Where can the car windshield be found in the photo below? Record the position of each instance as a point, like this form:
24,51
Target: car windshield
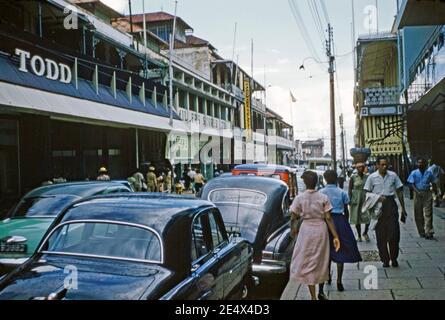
42,206
107,240
238,196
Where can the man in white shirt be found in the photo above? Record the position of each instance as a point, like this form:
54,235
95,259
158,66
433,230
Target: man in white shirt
387,184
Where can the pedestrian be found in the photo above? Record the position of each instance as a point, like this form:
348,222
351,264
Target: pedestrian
160,182
152,183
386,184
348,252
187,179
103,174
421,181
191,173
310,259
199,181
168,181
438,173
357,195
179,187
138,180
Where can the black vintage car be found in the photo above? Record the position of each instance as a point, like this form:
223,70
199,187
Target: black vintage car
136,247
257,209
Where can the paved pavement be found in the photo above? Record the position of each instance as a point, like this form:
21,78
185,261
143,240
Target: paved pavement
419,277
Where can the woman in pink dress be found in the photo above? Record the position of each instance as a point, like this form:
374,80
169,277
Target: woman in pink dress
310,260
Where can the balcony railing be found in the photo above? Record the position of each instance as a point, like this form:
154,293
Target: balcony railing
204,121
281,142
259,105
381,96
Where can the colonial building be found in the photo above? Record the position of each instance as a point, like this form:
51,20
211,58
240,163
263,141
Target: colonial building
312,149
380,122
280,137
421,29
75,97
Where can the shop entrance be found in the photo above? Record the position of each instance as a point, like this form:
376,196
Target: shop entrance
9,169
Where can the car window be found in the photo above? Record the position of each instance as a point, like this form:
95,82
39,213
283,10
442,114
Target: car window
215,229
113,240
200,245
235,196
42,206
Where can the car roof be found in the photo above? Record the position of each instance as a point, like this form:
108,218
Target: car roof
81,188
149,209
265,167
263,184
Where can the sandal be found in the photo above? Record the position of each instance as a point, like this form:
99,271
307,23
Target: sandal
366,238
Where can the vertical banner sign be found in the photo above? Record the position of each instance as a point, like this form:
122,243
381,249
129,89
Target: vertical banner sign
247,106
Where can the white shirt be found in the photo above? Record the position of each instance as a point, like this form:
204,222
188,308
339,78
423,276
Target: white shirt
436,170
191,174
386,186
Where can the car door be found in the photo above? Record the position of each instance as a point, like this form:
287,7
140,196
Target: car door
229,255
205,268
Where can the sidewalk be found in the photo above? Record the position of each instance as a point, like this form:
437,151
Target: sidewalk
419,277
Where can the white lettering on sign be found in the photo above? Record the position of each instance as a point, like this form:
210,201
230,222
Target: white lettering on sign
47,67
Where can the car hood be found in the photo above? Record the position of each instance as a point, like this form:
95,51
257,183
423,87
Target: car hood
83,279
33,229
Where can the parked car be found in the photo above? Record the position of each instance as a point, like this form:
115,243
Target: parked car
27,222
257,209
283,173
136,247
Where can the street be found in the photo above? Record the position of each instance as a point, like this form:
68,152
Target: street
420,275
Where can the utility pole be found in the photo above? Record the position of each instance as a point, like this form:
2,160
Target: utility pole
170,65
343,146
331,57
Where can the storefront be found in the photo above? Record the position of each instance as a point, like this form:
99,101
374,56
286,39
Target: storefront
51,127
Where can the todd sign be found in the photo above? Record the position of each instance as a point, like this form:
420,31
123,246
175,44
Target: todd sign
44,67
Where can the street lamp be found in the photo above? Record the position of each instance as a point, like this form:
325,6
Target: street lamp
302,67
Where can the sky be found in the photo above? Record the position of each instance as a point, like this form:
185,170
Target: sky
280,49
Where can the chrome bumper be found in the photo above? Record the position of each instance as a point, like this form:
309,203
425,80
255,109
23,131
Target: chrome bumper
269,267
8,264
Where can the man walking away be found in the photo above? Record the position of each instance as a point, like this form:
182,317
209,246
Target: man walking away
199,181
387,184
421,181
438,173
152,183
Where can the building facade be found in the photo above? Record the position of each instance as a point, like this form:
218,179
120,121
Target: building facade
421,30
380,117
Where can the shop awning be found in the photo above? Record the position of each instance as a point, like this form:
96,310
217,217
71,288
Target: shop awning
420,13
24,99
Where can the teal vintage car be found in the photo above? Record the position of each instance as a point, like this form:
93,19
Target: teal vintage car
28,221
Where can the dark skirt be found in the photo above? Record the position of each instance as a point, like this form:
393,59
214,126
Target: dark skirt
348,252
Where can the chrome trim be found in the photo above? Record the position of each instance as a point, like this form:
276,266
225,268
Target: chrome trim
13,261
243,189
109,222
269,267
98,256
276,232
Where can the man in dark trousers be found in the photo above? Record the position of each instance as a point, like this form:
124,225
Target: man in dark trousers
387,185
421,181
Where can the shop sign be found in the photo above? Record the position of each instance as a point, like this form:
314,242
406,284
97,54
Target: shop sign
44,67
